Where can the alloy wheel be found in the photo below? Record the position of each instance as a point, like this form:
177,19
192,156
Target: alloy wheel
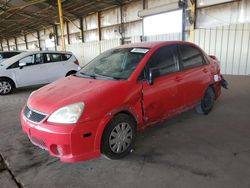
5,87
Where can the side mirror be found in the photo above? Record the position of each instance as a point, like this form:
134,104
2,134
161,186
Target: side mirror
22,64
150,77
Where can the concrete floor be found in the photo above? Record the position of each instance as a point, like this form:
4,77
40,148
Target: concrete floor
190,150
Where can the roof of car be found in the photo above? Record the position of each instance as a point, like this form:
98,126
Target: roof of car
46,51
11,51
151,44
13,59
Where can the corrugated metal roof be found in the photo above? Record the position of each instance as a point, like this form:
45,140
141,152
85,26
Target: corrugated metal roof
18,17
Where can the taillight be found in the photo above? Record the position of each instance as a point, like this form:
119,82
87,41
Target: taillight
76,62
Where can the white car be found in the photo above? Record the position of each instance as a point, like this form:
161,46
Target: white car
35,68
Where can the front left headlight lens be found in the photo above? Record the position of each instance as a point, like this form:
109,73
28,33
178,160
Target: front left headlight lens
67,114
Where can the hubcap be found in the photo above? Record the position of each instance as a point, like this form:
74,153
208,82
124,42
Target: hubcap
120,137
5,87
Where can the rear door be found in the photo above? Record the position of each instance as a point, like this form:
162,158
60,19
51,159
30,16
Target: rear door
55,66
162,99
195,74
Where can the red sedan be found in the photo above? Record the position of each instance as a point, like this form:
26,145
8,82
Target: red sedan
100,108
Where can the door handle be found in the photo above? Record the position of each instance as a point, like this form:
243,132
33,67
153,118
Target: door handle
178,78
205,70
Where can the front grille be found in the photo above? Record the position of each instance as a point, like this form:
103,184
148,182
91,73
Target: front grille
33,116
37,142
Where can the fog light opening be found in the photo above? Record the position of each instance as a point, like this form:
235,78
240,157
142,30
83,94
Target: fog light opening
59,150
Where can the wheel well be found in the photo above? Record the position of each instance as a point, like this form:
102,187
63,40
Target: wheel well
212,86
71,72
127,113
114,115
7,78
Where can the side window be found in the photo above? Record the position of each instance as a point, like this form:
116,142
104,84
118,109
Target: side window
191,57
50,57
39,59
29,60
14,65
164,61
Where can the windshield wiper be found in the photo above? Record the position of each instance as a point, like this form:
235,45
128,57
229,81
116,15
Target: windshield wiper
88,75
108,77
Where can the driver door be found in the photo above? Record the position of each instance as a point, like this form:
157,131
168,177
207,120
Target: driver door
33,73
164,97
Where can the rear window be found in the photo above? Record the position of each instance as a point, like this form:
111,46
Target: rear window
6,55
66,57
191,57
55,57
51,57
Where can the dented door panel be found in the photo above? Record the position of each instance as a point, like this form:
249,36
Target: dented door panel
162,99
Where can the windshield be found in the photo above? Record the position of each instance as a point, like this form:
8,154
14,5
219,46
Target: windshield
114,64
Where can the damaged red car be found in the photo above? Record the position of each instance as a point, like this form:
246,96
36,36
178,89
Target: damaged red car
100,108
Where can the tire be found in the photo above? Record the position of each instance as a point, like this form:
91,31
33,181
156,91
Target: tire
116,143
70,73
6,86
207,103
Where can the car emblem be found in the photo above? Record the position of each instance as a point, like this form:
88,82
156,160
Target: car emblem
29,114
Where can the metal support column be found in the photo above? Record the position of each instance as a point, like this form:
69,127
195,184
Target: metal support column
26,43
16,43
99,31
183,4
81,27
55,35
39,40
192,18
60,12
122,26
1,46
67,27
8,45
145,4
99,26
184,21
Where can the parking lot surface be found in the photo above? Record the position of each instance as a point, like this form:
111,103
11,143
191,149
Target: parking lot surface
190,150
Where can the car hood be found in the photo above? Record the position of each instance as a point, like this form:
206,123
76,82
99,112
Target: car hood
67,91
2,68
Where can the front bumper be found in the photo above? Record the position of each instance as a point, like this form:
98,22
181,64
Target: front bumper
69,143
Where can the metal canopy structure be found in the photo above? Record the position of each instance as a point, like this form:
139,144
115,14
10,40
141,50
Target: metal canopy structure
19,17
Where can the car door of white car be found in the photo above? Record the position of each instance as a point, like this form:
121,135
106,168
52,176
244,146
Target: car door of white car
56,68
33,72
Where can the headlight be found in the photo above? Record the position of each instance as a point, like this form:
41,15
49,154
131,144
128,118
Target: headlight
67,114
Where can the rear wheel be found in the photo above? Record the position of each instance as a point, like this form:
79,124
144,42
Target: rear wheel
207,103
6,86
119,137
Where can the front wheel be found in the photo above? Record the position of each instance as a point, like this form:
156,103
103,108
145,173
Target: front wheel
70,73
207,103
6,86
119,137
